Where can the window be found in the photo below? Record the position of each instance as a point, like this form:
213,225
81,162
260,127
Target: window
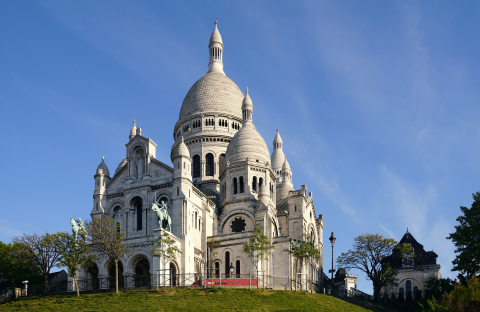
238,225
408,286
221,162
260,182
295,207
234,185
241,184
209,164
217,269
178,191
96,206
137,204
196,166
237,268
415,292
227,264
254,184
196,218
401,293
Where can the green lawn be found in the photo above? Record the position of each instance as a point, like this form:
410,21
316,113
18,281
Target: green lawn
215,299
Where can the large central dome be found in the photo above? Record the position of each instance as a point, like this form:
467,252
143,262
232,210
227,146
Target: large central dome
213,93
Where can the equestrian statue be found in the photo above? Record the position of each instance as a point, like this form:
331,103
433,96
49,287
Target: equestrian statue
78,229
164,220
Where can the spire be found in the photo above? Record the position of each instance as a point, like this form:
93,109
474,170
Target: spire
216,52
133,132
277,141
247,108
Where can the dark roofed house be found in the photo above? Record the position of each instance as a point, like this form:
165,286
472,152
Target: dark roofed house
414,270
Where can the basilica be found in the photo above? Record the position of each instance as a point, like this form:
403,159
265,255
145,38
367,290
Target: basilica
221,182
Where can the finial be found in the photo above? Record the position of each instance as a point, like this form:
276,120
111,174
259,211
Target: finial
182,138
134,122
277,130
247,90
103,158
407,229
215,23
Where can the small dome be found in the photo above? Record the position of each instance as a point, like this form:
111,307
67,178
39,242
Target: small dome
247,143
286,165
133,132
121,164
247,101
216,37
182,150
103,167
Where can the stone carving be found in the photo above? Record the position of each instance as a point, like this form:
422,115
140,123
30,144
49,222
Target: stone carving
164,220
78,228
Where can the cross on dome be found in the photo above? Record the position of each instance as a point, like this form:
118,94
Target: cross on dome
216,22
134,122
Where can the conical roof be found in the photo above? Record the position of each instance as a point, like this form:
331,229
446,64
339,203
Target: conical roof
278,157
104,167
286,165
216,37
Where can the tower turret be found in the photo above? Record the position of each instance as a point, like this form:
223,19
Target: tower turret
286,183
133,131
216,52
102,177
278,157
182,174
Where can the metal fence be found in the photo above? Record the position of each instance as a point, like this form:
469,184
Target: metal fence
167,279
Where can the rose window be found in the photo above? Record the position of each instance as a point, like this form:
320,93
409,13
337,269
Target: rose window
238,225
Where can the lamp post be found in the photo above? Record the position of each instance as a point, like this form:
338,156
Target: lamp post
332,241
231,272
25,294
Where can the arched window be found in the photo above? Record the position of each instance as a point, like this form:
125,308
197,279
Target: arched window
415,292
137,204
260,183
178,191
209,164
227,264
237,268
217,269
401,293
408,286
295,207
221,163
241,184
235,186
196,166
254,184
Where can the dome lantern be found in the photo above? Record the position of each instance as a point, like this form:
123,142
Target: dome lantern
216,52
247,108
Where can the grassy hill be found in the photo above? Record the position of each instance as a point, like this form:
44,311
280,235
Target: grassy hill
211,299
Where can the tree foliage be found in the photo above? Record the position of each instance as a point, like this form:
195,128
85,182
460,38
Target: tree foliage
304,251
367,255
74,253
41,251
258,247
467,239
167,249
437,287
13,266
103,237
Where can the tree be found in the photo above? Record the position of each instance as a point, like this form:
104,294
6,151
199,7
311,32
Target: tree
74,253
258,247
14,266
167,249
212,246
466,239
303,251
41,252
437,287
104,238
368,254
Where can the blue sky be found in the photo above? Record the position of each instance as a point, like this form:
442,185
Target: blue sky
377,103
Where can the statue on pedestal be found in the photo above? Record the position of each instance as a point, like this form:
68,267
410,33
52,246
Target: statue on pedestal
164,220
78,228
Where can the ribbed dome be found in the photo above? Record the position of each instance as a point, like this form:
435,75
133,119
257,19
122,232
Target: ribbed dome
121,164
182,150
104,167
247,143
214,93
133,131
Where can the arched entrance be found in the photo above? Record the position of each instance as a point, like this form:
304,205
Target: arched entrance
142,273
92,278
173,272
120,275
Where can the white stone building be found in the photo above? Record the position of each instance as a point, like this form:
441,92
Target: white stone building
222,182
414,270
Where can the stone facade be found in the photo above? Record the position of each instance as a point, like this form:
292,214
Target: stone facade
414,270
221,183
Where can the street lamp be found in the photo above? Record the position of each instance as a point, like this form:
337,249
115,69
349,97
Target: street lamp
25,282
332,241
